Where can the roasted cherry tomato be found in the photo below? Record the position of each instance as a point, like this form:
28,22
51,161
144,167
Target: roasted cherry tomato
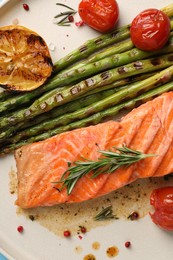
150,30
101,15
162,200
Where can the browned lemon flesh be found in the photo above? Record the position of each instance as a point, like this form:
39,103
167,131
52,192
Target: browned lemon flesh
25,61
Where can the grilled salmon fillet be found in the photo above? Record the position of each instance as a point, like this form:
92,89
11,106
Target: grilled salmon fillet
148,128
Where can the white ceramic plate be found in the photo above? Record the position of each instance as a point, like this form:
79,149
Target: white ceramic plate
148,241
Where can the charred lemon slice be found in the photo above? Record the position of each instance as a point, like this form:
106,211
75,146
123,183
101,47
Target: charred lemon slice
25,61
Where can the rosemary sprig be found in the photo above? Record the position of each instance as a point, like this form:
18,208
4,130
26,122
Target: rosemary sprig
65,21
105,214
111,161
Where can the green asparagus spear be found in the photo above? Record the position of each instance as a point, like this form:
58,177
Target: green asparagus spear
109,51
61,112
55,99
118,83
111,98
71,76
93,119
168,10
71,106
84,101
91,46
4,95
109,62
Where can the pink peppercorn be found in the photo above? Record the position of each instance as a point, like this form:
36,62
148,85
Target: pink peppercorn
127,244
71,18
26,7
83,229
67,233
134,216
20,229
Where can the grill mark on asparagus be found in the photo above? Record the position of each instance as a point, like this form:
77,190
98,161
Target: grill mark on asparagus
133,53
122,70
27,112
75,90
105,75
59,97
117,33
89,82
98,41
43,105
138,65
68,57
156,61
83,48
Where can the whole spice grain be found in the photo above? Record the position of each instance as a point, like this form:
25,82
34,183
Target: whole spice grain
127,244
26,7
20,229
67,233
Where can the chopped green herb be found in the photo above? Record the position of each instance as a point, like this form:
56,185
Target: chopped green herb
105,214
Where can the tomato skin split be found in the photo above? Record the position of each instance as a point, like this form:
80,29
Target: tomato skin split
150,30
162,201
101,15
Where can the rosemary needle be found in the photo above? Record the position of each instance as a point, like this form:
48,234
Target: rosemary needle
64,13
65,6
105,214
65,20
111,161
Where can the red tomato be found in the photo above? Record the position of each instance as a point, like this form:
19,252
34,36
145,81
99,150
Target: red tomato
162,200
150,30
101,15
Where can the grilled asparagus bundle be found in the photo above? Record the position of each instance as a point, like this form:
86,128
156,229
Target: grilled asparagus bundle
95,88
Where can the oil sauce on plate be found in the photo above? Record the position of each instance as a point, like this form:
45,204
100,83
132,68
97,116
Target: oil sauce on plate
131,198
